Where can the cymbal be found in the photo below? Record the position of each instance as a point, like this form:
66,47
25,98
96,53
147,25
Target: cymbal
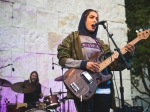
60,78
5,83
24,87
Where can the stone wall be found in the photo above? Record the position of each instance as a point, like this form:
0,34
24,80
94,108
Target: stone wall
30,31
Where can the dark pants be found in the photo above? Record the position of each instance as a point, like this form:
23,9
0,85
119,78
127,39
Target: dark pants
99,103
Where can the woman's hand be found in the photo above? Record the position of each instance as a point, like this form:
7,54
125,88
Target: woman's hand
130,48
92,66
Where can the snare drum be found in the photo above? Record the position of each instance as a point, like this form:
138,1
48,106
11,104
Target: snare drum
12,107
51,101
35,110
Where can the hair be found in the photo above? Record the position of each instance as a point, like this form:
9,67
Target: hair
37,80
86,13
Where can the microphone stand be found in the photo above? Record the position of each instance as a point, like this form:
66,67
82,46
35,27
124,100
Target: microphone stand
63,107
121,59
5,66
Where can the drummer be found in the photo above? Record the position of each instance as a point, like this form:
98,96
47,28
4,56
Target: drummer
33,97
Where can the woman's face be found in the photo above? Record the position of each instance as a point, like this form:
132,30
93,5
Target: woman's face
90,20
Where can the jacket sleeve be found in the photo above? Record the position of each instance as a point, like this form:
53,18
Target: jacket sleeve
64,50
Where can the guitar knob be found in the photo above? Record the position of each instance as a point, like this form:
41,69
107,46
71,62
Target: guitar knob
140,29
86,95
90,91
137,31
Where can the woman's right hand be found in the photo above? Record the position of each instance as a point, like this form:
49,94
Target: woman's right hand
92,66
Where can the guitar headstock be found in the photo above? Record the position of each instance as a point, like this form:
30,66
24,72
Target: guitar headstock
143,34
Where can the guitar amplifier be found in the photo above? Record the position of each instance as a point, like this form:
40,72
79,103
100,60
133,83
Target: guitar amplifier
130,109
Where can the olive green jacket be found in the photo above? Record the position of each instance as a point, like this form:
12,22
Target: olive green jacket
71,48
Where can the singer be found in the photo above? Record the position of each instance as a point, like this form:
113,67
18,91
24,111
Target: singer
75,51
33,97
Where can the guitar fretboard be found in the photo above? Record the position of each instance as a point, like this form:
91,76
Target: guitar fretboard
109,60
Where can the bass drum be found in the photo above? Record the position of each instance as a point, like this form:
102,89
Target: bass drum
36,110
11,107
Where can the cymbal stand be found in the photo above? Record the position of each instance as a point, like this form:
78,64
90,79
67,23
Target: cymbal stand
17,100
68,106
63,106
0,98
62,84
17,96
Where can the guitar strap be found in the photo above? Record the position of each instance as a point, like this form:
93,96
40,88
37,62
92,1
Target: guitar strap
99,45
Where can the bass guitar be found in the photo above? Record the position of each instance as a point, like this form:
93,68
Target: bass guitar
83,84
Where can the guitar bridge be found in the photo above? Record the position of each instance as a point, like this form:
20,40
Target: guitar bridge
87,77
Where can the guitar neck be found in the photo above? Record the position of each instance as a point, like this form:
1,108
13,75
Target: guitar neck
115,55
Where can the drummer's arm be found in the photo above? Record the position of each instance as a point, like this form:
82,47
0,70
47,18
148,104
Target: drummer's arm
41,94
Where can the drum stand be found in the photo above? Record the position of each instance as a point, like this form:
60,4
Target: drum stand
52,110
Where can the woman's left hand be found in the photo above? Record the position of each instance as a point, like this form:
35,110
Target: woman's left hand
130,48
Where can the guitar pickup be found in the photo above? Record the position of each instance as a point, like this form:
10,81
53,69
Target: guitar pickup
74,87
87,77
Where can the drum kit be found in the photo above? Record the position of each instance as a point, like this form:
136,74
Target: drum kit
49,104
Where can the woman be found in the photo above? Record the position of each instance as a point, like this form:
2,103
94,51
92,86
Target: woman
75,51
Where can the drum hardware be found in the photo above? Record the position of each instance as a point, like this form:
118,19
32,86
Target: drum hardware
63,100
36,110
51,101
40,105
7,101
3,83
59,78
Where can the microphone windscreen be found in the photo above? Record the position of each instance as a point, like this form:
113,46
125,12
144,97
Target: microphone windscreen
13,69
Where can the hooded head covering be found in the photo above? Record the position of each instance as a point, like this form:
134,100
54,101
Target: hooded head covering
82,28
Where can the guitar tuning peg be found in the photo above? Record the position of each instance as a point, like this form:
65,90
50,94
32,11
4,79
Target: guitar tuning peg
140,29
137,31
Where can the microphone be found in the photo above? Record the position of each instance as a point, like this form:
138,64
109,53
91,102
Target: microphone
52,64
13,69
98,23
